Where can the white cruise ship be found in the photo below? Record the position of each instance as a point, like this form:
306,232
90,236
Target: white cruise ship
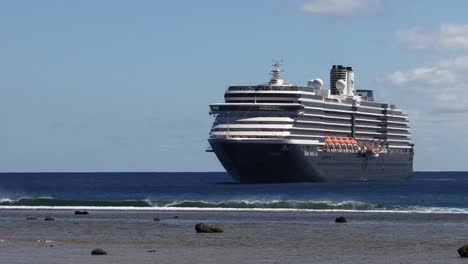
280,132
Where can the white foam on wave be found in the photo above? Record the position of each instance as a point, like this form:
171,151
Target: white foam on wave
441,210
10,200
418,210
44,241
268,202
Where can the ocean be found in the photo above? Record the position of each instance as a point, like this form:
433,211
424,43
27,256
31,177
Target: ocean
428,192
146,218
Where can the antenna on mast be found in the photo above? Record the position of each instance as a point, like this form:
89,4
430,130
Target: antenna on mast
276,74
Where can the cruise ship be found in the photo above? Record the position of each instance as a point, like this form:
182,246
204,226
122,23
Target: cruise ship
279,132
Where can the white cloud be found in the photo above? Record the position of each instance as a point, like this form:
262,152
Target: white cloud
457,64
340,7
446,37
438,88
423,75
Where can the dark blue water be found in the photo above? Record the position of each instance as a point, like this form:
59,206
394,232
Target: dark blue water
425,191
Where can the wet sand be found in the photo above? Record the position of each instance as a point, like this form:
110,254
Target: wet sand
249,237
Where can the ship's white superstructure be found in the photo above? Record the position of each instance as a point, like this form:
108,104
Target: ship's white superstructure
281,112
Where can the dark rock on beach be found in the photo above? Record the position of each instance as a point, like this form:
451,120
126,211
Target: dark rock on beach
98,251
31,218
207,228
156,219
49,219
81,213
175,216
151,251
463,251
340,219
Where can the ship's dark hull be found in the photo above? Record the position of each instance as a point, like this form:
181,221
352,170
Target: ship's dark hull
280,162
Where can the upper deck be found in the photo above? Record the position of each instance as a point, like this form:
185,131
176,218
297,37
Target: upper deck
312,113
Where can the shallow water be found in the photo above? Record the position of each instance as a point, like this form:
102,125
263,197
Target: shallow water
249,237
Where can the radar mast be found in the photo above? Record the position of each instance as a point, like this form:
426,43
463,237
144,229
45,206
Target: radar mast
276,74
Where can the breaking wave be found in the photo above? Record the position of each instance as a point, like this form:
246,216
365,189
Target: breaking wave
254,205
46,201
230,204
279,204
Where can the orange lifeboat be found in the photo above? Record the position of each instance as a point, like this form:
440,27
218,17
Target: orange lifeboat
341,141
328,140
335,140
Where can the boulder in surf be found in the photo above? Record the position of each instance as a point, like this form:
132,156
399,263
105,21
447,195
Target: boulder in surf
207,228
81,213
98,251
463,251
340,219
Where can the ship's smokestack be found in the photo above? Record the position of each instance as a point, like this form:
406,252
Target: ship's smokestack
339,72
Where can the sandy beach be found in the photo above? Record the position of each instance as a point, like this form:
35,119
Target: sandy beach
249,237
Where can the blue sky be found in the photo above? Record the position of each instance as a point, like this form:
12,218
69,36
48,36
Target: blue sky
125,85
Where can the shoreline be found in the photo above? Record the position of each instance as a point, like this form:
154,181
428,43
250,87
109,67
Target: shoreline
255,236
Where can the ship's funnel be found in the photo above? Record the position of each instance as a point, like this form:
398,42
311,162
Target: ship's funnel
339,72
